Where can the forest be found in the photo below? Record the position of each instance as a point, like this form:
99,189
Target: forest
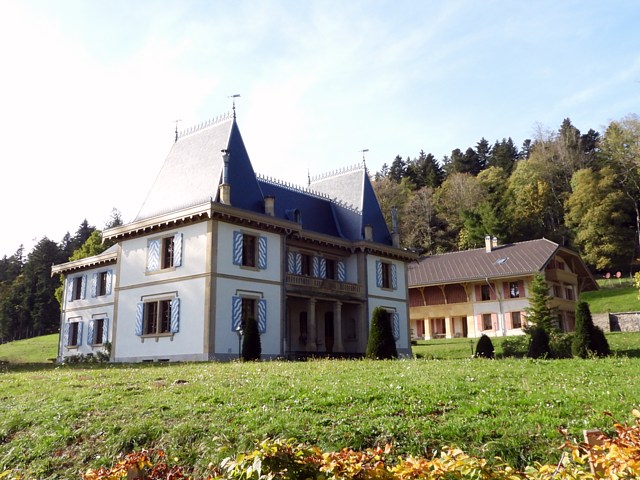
581,190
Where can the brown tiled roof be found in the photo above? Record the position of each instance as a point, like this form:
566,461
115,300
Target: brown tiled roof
503,261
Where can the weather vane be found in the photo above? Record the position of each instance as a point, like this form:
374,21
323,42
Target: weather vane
234,103
363,152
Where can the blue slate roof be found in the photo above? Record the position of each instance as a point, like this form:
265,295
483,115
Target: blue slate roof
339,204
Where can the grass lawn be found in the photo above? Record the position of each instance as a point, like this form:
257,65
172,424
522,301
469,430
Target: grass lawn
42,349
609,299
55,422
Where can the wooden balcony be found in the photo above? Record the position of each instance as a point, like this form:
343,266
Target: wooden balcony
322,285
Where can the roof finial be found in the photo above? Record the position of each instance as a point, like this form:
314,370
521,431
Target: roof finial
308,178
364,162
234,103
178,120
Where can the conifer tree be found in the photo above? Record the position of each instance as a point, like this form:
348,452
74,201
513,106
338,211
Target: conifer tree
581,345
539,313
381,344
484,348
539,344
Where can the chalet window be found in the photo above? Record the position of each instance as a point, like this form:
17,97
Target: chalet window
158,317
485,292
568,293
98,333
164,252
557,291
516,320
73,334
249,250
487,323
514,290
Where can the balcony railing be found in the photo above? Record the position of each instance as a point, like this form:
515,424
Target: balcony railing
323,284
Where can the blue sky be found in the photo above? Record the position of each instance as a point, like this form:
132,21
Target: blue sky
90,90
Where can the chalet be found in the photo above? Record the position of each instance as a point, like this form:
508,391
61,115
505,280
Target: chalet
214,244
487,290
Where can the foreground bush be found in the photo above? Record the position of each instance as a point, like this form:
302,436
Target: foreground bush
617,457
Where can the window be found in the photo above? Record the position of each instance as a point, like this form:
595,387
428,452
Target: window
158,317
97,334
568,293
331,268
386,276
487,324
249,250
77,288
73,334
516,320
243,308
307,264
514,290
164,252
102,283
557,291
485,292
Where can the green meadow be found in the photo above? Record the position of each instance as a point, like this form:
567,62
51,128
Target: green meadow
57,421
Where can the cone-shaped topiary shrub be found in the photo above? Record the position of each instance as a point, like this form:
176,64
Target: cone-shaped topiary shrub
599,344
581,345
251,347
539,345
484,348
381,344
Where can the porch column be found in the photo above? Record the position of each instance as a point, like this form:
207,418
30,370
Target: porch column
337,324
427,329
448,322
311,333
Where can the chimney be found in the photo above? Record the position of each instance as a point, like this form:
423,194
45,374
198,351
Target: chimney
270,205
488,246
494,242
225,188
368,233
395,236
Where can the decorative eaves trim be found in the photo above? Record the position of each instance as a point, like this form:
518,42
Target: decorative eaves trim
85,263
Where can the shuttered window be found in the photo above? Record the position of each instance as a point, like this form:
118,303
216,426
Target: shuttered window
164,252
244,308
160,317
73,334
249,250
386,275
98,332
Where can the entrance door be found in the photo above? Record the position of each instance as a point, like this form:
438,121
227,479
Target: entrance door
328,331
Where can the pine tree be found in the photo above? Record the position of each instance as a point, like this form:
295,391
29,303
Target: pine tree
381,344
251,346
599,343
539,313
484,348
581,344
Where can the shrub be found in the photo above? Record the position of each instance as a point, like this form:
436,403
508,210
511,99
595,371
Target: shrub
484,348
581,344
599,344
539,344
560,344
251,347
515,346
381,344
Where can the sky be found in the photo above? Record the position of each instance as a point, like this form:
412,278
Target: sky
90,90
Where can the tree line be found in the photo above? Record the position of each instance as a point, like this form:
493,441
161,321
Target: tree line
579,190
29,295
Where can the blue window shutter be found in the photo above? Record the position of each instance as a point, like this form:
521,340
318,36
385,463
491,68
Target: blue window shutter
109,280
175,315
105,330
379,273
79,333
323,267
394,276
66,334
342,271
83,288
291,262
90,332
139,318
153,255
70,282
236,313
395,325
237,248
262,252
298,263
177,250
94,285
262,315
316,266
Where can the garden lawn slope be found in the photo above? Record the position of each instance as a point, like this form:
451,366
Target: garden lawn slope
56,423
